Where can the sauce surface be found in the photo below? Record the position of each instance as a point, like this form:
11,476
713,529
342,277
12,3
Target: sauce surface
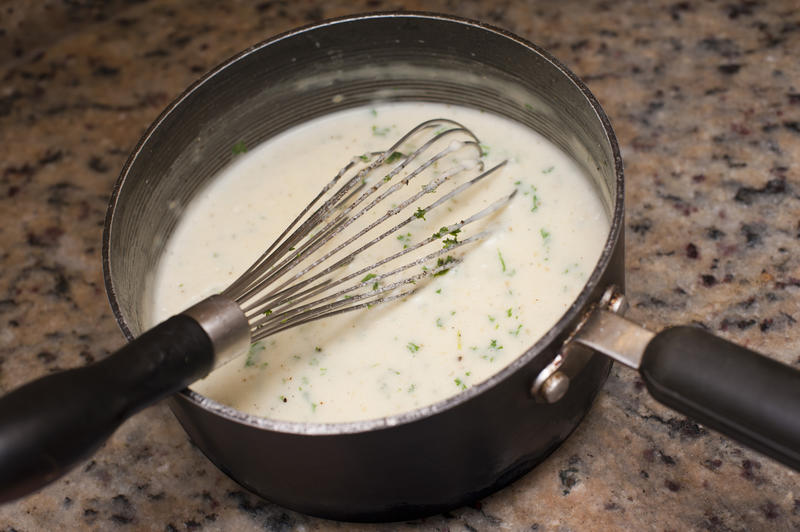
457,330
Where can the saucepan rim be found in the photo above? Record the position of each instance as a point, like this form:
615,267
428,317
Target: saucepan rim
580,303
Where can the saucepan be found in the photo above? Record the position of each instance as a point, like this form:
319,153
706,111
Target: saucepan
462,448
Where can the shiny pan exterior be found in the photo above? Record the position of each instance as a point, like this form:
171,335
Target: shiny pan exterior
437,457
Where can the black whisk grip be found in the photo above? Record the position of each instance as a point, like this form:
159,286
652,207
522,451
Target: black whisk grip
51,424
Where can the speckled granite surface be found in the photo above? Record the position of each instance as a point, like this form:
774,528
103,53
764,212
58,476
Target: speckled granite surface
705,99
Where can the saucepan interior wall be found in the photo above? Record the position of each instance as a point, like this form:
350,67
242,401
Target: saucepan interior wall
283,83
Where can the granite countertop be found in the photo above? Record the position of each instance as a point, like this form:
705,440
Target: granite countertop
705,99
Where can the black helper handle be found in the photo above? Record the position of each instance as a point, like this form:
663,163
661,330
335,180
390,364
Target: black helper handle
751,398
51,424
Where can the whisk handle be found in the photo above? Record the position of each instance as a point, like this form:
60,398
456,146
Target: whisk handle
51,424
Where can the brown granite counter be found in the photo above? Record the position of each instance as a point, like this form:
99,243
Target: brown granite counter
705,99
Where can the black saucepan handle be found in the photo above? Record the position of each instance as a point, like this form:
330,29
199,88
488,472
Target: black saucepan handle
51,424
751,398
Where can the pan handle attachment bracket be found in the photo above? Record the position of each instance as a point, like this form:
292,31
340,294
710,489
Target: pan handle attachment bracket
552,382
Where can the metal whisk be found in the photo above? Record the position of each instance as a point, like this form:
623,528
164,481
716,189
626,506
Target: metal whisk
298,278
315,269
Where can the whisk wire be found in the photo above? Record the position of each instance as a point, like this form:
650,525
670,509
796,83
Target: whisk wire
272,296
287,240
328,236
342,220
280,291
346,296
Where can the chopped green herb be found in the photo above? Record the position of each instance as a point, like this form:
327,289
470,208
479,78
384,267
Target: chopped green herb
380,131
239,147
491,318
545,233
405,239
373,112
318,349
528,107
252,354
438,290
282,398
412,388
534,199
548,170
420,213
444,231
394,157
448,242
412,347
508,312
460,384
364,157
439,322
502,262
484,150
267,312
493,345
368,277
375,285
515,332
441,262
387,178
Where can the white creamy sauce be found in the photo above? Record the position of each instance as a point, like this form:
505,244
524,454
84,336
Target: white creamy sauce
457,330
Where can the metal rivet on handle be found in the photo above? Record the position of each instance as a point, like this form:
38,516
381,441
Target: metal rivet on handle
552,382
554,388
